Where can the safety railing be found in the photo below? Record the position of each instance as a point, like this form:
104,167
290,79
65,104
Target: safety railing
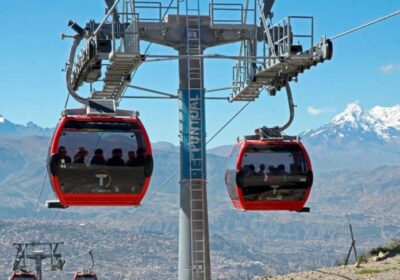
232,13
292,35
239,77
155,11
129,38
123,29
244,71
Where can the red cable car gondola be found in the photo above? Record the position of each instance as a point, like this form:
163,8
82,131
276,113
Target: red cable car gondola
22,275
85,276
100,161
269,175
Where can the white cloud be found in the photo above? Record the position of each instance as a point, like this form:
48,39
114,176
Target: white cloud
318,111
386,69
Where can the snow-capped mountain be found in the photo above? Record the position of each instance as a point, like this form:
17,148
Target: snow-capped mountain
8,128
380,124
356,139
388,120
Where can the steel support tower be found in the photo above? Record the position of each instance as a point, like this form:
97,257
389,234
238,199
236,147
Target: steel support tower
190,33
38,252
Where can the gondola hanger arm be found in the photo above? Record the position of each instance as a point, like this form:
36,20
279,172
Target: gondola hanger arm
275,132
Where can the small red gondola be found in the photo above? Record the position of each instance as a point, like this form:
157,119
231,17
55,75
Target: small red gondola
85,276
100,161
20,275
269,175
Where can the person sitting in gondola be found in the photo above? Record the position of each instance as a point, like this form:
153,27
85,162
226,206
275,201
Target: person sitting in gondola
132,160
80,155
261,173
252,170
261,170
272,174
241,174
59,160
98,158
281,170
116,159
141,157
61,157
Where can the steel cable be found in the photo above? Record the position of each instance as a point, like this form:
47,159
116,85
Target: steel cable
364,25
37,202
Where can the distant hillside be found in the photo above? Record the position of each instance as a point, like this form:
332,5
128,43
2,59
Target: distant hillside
222,151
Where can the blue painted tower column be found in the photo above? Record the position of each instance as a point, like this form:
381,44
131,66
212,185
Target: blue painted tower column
194,254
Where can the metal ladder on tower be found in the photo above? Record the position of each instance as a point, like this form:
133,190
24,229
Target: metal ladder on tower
198,214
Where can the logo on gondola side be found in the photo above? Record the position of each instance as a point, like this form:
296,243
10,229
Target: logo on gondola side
104,178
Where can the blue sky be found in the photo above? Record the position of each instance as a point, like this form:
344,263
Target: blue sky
365,67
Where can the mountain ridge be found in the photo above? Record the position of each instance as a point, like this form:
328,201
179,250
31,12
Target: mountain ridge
8,128
381,124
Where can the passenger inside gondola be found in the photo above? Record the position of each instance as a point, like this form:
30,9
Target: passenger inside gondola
261,170
251,170
282,170
59,160
116,159
61,156
98,158
141,156
132,161
80,155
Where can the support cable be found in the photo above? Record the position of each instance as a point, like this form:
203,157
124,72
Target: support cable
66,101
40,195
37,202
219,89
228,122
252,59
153,91
170,98
147,97
110,11
364,25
